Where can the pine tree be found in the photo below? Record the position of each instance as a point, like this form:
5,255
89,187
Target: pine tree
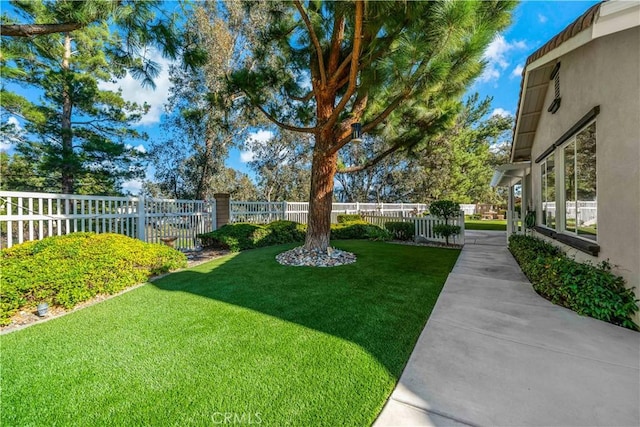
387,65
78,131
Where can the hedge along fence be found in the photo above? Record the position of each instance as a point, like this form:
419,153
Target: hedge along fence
589,290
66,270
240,236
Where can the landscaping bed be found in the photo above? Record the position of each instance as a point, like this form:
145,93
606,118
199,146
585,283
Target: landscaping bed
589,290
63,271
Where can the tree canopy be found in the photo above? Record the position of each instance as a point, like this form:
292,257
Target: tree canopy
399,69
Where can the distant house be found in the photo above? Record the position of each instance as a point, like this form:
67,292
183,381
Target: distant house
575,156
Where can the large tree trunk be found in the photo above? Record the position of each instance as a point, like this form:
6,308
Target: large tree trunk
323,169
67,109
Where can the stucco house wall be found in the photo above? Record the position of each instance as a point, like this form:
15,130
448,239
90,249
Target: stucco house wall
604,72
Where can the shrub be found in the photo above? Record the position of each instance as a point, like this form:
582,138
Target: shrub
241,236
342,218
235,237
444,209
285,232
446,231
66,270
356,230
582,287
401,230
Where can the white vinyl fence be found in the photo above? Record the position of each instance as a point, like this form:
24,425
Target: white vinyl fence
34,216
264,212
424,226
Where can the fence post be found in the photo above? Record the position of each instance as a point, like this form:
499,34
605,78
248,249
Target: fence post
142,230
461,220
284,210
223,211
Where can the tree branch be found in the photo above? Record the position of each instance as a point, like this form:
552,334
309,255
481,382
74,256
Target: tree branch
346,135
353,72
305,98
341,69
372,162
314,39
31,30
383,115
284,125
336,40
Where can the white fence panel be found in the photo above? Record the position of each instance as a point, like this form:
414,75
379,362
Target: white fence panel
257,212
298,211
423,226
468,209
182,219
34,216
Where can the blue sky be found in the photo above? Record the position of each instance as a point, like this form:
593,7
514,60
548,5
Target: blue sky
533,24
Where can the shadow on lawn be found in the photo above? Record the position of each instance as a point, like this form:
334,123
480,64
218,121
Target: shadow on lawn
380,303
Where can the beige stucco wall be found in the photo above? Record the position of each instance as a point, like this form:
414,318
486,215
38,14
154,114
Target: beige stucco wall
604,72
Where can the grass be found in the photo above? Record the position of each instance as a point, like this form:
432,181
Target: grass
486,224
240,337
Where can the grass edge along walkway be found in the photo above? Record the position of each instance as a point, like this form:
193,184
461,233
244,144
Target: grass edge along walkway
239,335
485,224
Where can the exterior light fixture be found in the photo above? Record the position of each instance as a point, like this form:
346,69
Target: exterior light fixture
356,132
43,308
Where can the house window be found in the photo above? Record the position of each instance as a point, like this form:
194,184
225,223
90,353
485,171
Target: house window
580,216
548,187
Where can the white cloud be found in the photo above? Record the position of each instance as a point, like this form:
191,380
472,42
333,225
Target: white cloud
501,112
12,137
496,56
497,147
542,19
517,72
259,137
133,186
247,156
14,121
139,148
133,91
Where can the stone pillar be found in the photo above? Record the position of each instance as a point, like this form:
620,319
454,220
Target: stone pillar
223,209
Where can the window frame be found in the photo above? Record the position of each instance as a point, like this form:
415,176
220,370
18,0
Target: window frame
561,226
560,232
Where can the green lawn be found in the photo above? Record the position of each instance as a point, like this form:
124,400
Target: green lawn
240,337
487,224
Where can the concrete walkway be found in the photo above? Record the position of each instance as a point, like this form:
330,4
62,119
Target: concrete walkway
494,353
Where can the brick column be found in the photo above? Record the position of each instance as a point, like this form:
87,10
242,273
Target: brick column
223,209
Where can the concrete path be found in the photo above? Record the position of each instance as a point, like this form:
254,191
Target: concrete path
494,353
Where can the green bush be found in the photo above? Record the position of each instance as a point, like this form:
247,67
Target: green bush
446,231
401,230
444,209
589,290
357,230
285,232
235,237
342,218
241,236
66,270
